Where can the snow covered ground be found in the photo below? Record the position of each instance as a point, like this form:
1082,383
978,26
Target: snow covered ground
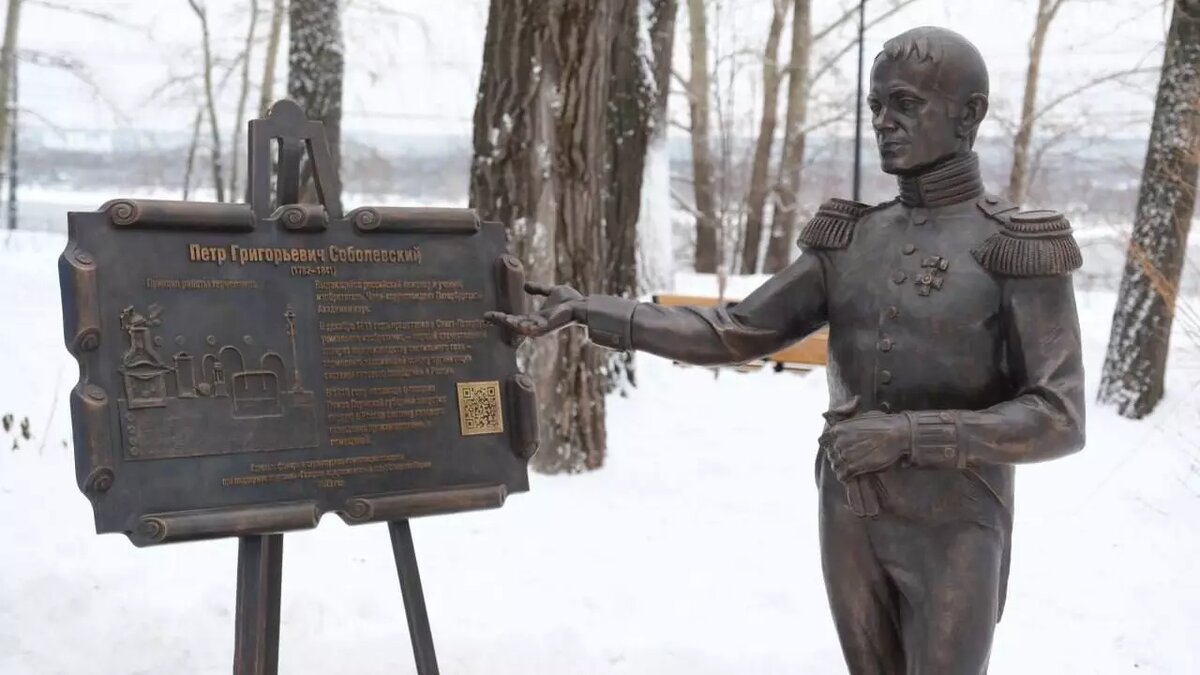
694,551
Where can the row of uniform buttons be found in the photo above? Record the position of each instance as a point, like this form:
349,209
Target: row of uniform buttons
885,345
919,217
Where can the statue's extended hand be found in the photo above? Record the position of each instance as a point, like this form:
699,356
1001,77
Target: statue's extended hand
563,307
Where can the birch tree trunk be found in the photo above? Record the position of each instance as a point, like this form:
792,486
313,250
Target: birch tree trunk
791,164
704,188
315,71
760,167
1135,365
1037,42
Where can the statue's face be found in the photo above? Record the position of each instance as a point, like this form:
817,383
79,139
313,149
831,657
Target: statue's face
916,122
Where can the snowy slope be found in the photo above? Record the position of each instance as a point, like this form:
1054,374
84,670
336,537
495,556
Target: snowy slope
694,551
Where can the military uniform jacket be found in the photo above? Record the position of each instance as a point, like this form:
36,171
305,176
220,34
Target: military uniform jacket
947,304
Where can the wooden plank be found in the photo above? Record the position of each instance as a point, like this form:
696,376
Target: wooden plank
811,351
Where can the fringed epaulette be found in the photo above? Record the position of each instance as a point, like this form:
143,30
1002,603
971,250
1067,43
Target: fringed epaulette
1030,244
833,225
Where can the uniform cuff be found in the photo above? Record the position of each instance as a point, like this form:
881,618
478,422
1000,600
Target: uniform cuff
935,440
610,321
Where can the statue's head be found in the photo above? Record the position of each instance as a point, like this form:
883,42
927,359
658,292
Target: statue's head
929,93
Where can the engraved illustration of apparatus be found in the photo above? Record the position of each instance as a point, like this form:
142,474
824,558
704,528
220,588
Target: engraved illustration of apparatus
215,405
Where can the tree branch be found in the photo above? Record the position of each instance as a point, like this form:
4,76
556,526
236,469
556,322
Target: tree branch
218,180
683,204
1140,70
831,61
76,69
91,14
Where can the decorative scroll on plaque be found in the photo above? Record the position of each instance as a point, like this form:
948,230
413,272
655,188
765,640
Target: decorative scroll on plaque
246,368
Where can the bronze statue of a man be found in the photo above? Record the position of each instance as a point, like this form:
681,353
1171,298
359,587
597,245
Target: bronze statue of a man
954,354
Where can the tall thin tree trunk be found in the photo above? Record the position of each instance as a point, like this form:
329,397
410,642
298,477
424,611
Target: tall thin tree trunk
630,105
760,167
316,67
8,65
655,251
634,96
243,95
267,92
704,188
1037,42
791,164
13,154
190,165
1135,366
210,100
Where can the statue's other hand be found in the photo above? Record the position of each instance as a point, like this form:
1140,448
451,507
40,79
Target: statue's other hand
563,306
866,444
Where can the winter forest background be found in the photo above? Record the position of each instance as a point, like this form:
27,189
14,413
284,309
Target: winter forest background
714,128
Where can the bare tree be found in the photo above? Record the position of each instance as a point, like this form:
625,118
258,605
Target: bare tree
558,106
795,136
703,171
243,95
760,187
639,81
511,175
190,163
640,72
655,252
783,190
1046,11
579,39
210,99
13,157
1135,366
8,66
510,172
267,92
316,68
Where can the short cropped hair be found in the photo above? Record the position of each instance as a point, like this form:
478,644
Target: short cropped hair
940,46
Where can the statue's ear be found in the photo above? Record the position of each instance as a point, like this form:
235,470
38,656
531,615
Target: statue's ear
973,112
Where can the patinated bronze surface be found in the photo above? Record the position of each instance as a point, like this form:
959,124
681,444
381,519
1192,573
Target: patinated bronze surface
248,367
954,354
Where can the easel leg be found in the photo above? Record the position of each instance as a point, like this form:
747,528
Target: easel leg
414,598
259,577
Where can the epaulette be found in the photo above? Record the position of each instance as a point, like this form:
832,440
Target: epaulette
1029,243
832,226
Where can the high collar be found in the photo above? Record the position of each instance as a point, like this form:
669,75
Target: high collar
953,181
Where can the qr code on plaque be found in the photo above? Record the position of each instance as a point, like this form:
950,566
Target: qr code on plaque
479,408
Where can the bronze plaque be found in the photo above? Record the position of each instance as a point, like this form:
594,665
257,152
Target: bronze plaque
246,368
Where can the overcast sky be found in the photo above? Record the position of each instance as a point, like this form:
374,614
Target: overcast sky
418,73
